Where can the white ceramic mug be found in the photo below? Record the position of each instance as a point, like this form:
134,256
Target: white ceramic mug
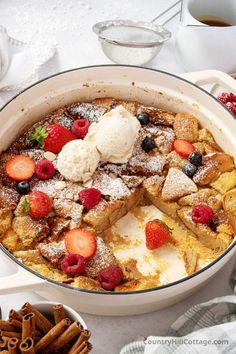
201,47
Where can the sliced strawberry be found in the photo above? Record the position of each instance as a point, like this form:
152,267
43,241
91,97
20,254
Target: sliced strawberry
183,147
82,242
20,168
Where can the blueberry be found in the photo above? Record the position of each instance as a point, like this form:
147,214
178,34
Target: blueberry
213,225
189,169
148,144
195,158
23,187
143,118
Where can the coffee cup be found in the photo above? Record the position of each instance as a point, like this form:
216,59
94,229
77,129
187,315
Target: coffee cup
207,35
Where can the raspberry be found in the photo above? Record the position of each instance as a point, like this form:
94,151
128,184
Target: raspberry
44,169
231,107
90,197
202,214
226,97
73,265
223,97
229,100
80,128
110,277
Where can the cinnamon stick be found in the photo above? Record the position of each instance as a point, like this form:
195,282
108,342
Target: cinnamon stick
5,352
85,347
58,312
84,336
18,325
15,323
15,315
53,334
66,337
6,326
88,348
3,342
28,326
10,334
27,346
13,346
42,323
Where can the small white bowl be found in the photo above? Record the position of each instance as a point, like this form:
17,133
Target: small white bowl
45,307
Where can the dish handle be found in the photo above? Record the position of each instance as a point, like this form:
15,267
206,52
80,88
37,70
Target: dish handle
14,278
216,77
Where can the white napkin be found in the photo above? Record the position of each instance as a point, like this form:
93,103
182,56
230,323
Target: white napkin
20,62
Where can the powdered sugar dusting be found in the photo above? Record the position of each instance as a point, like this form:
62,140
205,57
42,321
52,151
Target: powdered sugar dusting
8,198
103,258
47,187
147,165
66,121
87,110
35,154
53,251
177,184
164,139
113,187
68,209
132,181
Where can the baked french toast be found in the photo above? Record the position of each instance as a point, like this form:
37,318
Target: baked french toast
96,190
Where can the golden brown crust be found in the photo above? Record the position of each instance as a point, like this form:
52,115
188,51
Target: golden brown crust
186,127
229,202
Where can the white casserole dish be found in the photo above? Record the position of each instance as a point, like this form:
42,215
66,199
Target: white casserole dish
151,87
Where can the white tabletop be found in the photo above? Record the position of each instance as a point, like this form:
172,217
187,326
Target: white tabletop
68,22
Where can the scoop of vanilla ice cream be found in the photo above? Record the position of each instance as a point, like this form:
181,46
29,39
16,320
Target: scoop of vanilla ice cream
78,160
114,135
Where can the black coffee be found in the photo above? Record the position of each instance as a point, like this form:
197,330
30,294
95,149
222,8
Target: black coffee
213,21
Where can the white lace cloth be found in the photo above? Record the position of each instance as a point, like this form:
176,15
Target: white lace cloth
20,62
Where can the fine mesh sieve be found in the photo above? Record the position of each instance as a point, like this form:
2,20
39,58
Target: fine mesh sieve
133,42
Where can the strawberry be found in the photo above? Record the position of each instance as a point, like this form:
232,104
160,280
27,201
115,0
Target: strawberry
183,147
157,234
38,204
90,197
20,168
82,242
53,137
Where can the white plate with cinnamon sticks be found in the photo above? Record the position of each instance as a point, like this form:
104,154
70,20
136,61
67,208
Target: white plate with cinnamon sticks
44,327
